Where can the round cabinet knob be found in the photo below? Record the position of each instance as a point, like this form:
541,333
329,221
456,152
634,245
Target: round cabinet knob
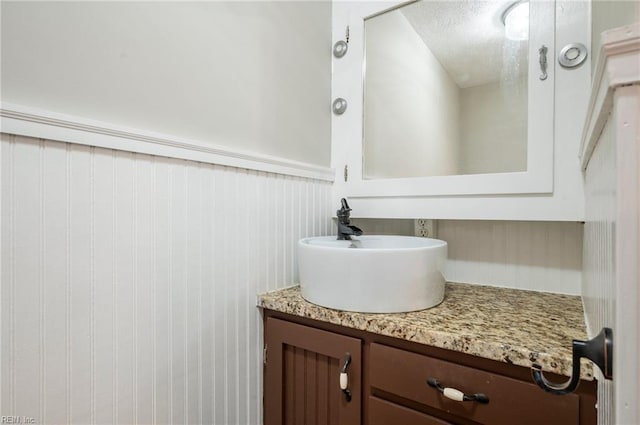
340,49
572,55
339,106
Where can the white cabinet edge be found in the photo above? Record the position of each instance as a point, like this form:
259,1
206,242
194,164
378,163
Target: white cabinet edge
618,65
32,122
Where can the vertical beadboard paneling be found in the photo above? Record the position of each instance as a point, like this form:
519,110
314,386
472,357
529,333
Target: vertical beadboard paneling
25,362
104,274
129,282
220,283
124,314
598,290
178,275
162,248
55,278
541,256
144,294
79,307
206,318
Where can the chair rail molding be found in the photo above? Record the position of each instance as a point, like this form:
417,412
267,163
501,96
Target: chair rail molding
32,122
617,66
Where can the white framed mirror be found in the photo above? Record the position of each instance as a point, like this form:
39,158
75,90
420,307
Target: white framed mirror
442,98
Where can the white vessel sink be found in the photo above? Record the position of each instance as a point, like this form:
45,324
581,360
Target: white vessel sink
372,274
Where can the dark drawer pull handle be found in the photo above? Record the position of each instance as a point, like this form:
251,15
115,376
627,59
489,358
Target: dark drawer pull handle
344,378
457,395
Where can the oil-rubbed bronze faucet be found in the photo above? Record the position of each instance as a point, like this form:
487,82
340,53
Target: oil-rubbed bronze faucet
345,229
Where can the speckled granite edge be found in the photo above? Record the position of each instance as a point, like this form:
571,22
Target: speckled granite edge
508,325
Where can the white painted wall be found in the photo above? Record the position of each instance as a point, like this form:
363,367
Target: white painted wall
249,75
410,100
493,128
129,282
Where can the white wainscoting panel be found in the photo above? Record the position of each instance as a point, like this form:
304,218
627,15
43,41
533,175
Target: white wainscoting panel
540,256
129,282
599,273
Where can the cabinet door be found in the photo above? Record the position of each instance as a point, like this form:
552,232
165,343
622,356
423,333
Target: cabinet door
438,165
302,376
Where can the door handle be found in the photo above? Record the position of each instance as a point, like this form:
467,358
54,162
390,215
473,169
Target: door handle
542,51
344,378
457,395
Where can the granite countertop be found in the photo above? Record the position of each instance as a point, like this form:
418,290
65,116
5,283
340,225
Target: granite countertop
508,325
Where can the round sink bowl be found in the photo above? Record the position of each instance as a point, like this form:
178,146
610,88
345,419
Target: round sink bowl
372,274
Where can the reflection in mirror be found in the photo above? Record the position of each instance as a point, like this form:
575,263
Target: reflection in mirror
445,91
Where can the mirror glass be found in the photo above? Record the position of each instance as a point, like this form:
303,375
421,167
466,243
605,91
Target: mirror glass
445,89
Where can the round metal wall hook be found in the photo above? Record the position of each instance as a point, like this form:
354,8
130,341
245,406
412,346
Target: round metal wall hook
572,55
339,106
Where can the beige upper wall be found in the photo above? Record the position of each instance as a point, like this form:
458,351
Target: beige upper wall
607,14
249,75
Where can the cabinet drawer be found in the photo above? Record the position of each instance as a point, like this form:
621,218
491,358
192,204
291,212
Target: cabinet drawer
382,412
511,401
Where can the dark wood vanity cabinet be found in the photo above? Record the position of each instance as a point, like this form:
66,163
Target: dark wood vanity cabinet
387,378
302,376
510,401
